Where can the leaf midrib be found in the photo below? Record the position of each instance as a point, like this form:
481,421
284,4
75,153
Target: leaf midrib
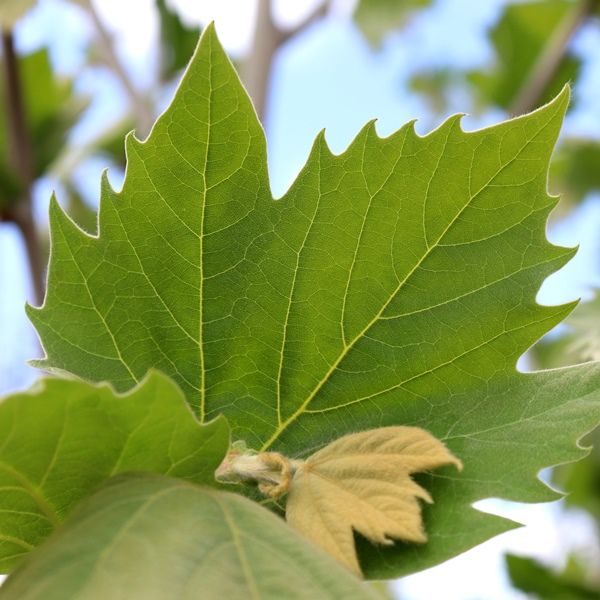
202,391
236,537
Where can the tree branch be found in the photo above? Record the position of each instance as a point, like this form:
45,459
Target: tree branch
550,59
21,213
142,109
268,38
318,13
17,128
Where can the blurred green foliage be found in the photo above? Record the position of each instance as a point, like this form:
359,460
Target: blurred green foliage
575,170
51,109
541,582
378,17
519,39
178,41
582,480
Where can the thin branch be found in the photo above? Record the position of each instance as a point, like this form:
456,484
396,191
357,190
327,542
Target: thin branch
268,38
257,67
17,128
21,213
318,13
550,59
25,222
141,107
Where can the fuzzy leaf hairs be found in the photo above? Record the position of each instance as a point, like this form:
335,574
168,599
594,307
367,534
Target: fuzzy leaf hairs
360,482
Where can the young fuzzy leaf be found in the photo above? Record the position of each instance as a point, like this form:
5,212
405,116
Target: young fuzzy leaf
393,284
61,439
362,482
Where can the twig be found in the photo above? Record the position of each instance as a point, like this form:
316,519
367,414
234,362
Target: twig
550,59
268,38
319,12
141,107
22,217
21,213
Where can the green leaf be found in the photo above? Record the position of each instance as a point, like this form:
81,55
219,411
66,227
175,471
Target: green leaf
393,284
575,170
534,578
520,38
178,41
435,86
581,480
505,433
578,342
158,539
378,17
61,439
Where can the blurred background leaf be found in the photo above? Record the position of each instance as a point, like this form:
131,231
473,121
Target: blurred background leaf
539,581
376,18
524,33
178,41
582,481
51,107
575,171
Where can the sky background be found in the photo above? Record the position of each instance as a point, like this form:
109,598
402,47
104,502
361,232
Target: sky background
326,77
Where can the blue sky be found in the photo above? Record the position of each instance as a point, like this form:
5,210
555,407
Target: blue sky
328,77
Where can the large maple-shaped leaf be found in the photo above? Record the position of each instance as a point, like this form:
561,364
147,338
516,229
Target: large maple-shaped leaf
61,439
392,284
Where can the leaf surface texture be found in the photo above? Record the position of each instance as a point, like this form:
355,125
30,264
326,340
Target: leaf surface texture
362,483
158,538
60,440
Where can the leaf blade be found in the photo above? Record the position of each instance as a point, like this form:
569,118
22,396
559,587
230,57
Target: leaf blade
63,438
502,456
159,538
361,482
394,283
394,314
143,284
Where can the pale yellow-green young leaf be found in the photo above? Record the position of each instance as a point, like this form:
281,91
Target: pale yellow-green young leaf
362,482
